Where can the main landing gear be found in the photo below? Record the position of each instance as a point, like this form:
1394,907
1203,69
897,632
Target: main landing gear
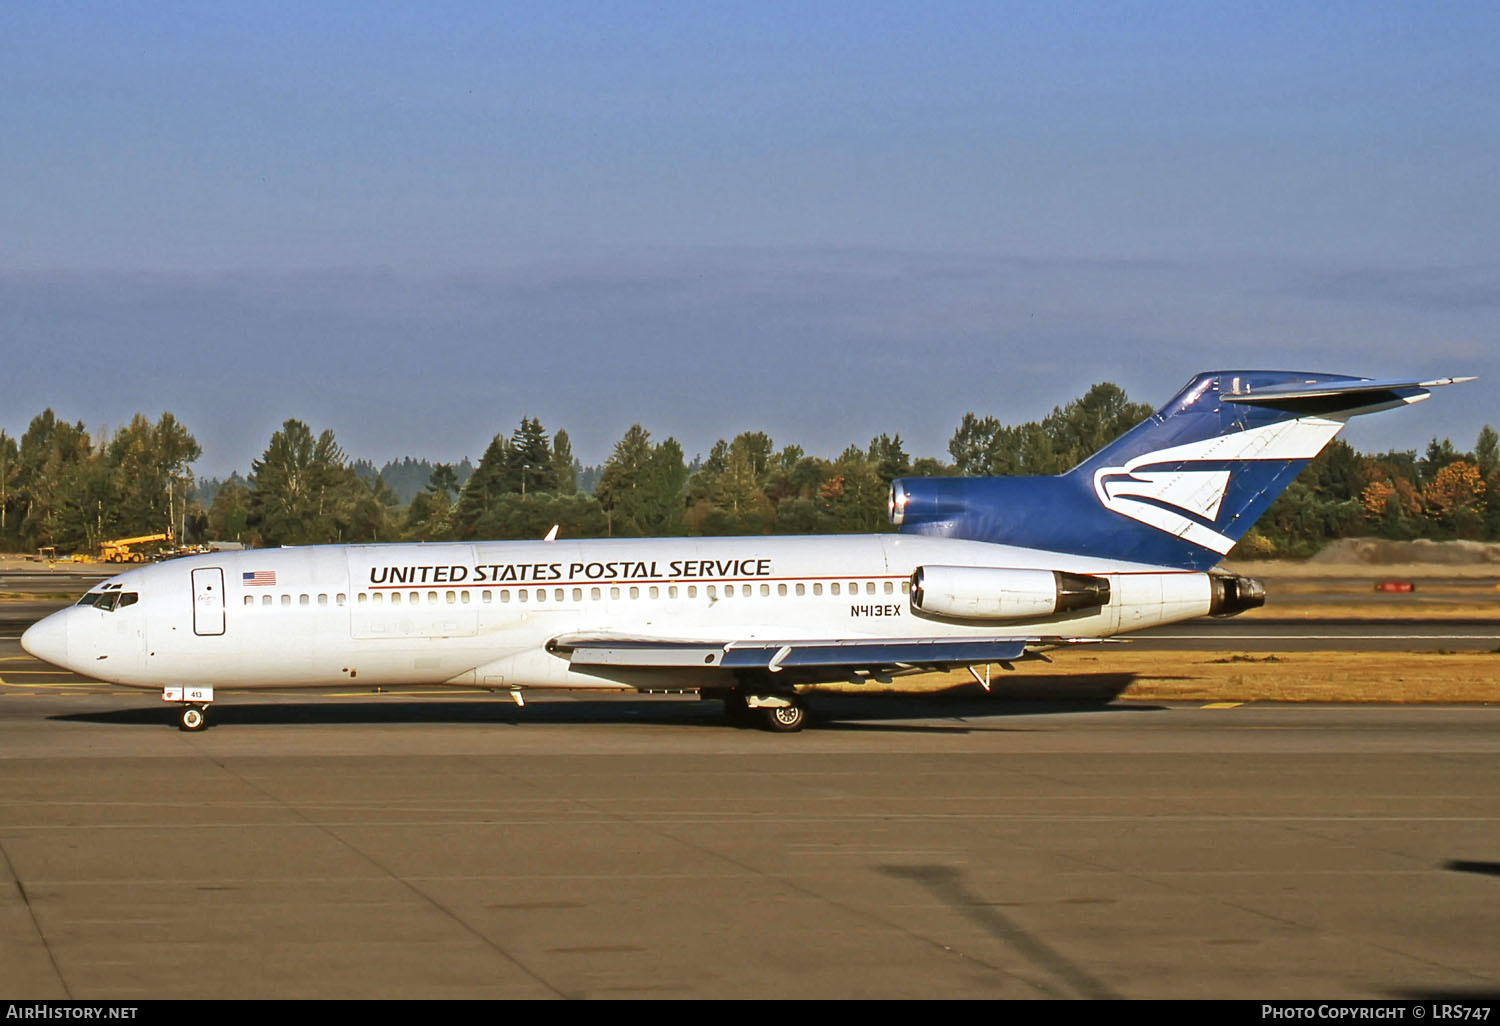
781,712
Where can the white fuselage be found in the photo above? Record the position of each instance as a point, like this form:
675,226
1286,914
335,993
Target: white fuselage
483,614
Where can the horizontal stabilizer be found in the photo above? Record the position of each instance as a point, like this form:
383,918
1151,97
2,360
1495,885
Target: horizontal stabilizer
1336,396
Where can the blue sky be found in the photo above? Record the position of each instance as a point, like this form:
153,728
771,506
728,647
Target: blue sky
416,223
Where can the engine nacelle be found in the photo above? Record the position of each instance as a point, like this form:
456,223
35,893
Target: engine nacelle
1000,593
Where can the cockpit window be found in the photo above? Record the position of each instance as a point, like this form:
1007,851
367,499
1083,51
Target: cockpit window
109,601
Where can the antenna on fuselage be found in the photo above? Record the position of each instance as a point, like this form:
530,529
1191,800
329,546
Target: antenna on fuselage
552,534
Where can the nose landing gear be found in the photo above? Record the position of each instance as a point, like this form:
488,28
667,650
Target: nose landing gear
194,702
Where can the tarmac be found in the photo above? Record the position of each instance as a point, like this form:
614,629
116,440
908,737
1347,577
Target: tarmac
636,847
949,846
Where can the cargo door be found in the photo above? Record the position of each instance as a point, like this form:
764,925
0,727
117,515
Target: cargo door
208,601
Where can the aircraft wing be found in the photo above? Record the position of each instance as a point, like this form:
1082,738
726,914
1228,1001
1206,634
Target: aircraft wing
760,654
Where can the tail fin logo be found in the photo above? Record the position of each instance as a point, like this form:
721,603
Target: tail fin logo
1186,502
1197,492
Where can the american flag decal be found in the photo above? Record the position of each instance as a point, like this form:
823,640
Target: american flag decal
260,578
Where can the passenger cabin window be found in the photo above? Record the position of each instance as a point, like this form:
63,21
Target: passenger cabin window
833,589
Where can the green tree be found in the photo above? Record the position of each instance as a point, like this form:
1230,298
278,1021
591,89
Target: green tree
575,516
531,468
229,514
641,486
564,465
889,458
10,468
483,489
149,474
302,490
52,477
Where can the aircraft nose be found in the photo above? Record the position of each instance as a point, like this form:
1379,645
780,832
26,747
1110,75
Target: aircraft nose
47,639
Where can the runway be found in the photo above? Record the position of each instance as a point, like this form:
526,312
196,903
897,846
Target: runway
480,851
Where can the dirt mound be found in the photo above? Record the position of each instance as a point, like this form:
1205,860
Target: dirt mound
1382,552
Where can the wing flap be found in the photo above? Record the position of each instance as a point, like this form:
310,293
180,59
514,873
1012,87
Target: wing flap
795,654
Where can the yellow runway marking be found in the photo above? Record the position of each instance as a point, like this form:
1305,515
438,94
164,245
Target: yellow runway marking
1222,705
44,684
377,694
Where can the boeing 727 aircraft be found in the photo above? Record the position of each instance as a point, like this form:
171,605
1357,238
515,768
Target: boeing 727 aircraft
980,571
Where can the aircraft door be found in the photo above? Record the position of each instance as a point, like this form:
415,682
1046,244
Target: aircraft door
208,601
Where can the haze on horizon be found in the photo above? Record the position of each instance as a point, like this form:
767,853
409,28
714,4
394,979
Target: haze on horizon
416,224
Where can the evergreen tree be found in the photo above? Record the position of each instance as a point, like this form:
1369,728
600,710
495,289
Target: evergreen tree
484,487
564,466
531,468
302,491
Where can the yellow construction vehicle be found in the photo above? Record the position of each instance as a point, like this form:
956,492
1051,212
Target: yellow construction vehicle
121,549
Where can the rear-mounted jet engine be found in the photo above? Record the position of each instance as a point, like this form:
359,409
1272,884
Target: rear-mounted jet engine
994,594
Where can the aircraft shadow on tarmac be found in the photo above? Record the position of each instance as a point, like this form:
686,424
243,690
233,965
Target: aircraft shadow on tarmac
826,711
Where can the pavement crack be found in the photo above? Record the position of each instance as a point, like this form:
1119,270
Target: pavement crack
35,923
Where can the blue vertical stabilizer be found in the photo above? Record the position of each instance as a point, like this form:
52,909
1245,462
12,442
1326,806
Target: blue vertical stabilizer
1179,488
